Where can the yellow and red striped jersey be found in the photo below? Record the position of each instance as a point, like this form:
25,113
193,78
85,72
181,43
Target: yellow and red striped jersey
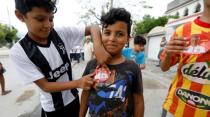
189,92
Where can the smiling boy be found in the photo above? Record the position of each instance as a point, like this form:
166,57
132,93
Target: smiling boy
121,95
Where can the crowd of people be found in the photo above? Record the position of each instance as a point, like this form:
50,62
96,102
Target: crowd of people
112,81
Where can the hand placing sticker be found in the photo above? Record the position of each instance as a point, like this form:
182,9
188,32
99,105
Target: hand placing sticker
102,73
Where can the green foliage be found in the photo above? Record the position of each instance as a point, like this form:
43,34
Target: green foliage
7,34
11,35
2,32
149,23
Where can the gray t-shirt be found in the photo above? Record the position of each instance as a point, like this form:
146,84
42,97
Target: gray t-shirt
115,97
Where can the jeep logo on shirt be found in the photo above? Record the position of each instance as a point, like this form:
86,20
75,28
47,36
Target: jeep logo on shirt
58,72
194,99
197,72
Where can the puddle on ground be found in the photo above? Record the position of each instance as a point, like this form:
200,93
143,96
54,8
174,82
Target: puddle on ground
152,84
25,96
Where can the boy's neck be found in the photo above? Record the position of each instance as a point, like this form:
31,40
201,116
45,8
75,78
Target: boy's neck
116,59
205,17
38,40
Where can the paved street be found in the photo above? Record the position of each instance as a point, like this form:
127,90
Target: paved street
24,100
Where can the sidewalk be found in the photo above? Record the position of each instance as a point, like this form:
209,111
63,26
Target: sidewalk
4,51
22,99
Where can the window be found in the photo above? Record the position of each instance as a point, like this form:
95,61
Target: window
177,14
186,12
197,8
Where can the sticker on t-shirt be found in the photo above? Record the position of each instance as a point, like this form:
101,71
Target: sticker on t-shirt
198,43
102,74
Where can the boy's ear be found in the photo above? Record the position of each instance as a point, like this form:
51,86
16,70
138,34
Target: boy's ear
19,15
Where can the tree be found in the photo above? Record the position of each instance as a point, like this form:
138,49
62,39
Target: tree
148,23
93,10
11,35
7,34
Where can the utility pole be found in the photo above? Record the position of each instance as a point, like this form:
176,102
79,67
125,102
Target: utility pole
111,4
8,15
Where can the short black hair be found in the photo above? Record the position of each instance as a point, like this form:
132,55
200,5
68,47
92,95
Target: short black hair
140,40
114,15
25,6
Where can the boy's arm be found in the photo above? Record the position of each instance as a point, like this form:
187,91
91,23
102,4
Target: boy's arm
84,101
137,92
141,61
85,83
101,54
165,66
138,105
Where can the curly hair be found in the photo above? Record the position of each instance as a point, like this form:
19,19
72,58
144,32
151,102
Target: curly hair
114,15
25,6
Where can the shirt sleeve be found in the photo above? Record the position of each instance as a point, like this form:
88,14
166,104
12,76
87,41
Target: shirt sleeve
137,84
125,53
25,70
90,67
72,36
140,58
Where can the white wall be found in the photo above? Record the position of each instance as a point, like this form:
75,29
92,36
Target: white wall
154,47
191,7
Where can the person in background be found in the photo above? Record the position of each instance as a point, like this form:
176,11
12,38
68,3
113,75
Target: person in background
2,81
88,49
162,46
77,50
137,53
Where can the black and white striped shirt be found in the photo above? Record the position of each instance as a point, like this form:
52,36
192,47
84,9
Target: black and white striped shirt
28,69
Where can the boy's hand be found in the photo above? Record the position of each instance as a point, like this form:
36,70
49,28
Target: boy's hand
176,45
101,54
86,82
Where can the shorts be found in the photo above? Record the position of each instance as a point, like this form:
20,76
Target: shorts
71,110
2,71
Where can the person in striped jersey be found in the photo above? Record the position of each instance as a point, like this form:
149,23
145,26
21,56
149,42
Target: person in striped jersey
189,94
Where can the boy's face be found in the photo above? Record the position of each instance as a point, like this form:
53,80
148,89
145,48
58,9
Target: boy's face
138,47
39,23
114,37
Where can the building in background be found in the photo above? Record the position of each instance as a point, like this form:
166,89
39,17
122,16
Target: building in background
154,38
187,10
